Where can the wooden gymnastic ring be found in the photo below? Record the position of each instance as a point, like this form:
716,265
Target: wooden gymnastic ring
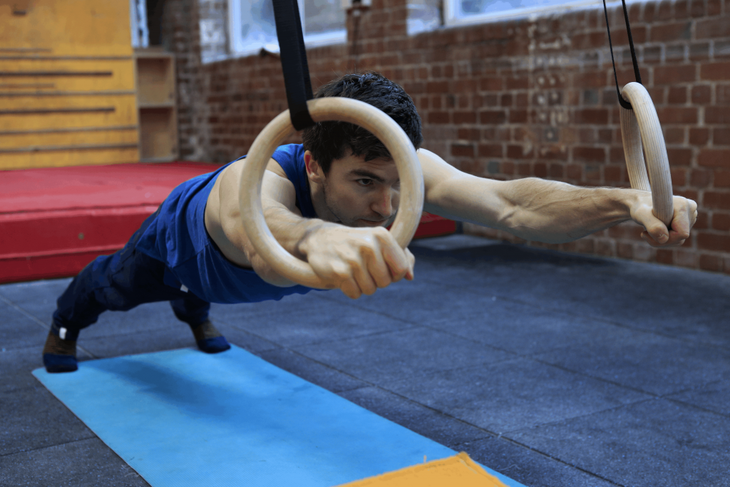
325,109
642,124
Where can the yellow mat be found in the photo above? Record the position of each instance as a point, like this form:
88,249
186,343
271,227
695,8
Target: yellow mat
458,470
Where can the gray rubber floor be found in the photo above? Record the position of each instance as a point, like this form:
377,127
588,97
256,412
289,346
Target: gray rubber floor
554,369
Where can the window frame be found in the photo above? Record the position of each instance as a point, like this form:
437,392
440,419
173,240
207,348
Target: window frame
236,44
451,18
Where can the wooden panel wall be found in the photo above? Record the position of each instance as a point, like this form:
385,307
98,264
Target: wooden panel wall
67,87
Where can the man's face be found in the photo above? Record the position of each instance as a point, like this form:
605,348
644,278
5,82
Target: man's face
361,193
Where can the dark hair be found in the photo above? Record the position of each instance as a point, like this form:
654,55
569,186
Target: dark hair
330,140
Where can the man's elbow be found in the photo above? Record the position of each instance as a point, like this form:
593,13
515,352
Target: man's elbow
268,274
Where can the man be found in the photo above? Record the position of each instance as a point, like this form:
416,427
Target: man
327,202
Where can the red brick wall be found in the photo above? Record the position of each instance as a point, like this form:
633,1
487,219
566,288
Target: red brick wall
511,99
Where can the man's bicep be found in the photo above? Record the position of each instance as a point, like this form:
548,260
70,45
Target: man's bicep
452,193
275,191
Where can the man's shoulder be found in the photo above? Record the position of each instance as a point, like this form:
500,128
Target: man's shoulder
289,155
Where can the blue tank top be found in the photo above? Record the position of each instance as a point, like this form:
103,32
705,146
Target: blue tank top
178,238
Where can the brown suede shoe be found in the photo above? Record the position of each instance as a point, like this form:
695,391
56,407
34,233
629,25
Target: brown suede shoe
59,355
209,339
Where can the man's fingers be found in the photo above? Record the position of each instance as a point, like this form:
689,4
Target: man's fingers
412,262
657,231
350,288
675,240
363,277
394,256
684,218
377,268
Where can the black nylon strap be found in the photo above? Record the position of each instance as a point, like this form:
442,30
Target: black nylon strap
637,74
293,62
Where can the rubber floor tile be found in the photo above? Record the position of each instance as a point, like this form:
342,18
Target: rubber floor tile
408,355
33,418
650,443
38,298
18,330
512,395
311,371
330,322
84,463
714,396
425,421
529,467
643,361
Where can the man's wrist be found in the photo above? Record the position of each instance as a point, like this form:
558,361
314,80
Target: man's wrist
303,245
630,201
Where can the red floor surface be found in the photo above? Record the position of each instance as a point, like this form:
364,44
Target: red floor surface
54,221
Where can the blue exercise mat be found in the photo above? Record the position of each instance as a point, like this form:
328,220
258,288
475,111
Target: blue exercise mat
186,418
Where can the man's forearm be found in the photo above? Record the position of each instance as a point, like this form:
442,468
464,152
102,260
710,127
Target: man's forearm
290,229
555,212
535,209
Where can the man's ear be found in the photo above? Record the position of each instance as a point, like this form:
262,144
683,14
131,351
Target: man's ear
314,170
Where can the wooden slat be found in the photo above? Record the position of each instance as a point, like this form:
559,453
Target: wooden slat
16,133
55,112
29,141
121,77
47,111
36,57
35,74
26,86
67,148
24,50
32,102
64,93
81,157
168,104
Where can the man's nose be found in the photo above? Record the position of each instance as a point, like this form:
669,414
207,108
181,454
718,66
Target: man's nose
384,203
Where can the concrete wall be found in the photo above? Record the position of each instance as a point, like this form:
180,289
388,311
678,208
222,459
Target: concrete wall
527,97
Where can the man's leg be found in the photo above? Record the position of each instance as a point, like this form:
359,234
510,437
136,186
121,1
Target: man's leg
117,282
84,300
120,282
194,311
76,309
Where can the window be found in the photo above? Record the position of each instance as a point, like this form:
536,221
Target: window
457,12
423,15
138,19
252,25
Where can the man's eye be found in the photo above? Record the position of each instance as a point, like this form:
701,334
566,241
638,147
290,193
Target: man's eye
365,182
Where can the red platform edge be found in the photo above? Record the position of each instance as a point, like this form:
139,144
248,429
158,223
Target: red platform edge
60,242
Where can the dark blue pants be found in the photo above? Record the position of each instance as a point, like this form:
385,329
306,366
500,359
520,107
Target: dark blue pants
120,282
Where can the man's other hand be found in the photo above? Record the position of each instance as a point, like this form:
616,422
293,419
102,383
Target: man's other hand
655,232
